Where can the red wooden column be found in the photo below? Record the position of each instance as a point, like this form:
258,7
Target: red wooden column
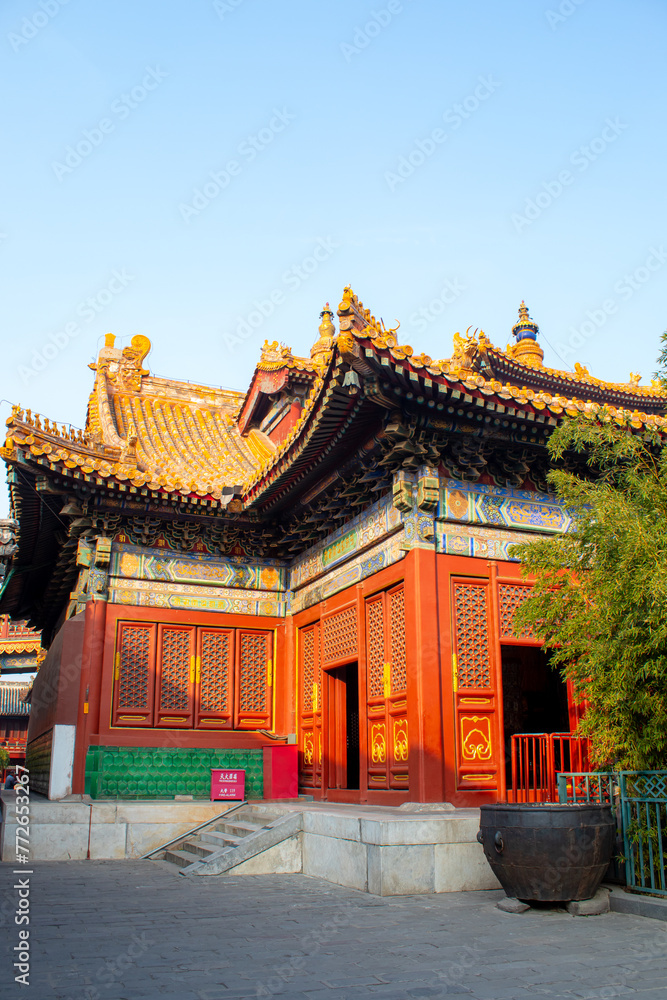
424,677
92,658
494,638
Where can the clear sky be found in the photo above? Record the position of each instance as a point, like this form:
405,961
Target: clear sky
209,174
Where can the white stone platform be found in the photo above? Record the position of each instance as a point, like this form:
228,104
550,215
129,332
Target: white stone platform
66,829
384,851
394,851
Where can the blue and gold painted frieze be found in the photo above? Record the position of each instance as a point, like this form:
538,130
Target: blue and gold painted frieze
376,522
385,553
184,597
133,562
523,510
153,578
478,541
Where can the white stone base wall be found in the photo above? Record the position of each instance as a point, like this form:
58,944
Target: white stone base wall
397,857
62,831
384,852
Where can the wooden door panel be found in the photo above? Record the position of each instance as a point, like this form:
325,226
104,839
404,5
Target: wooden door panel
378,682
214,680
388,743
310,706
175,686
134,674
253,708
479,747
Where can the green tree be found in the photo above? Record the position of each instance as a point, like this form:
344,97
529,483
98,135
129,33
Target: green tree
4,758
600,597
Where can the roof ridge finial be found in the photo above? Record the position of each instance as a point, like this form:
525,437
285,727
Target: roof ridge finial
327,332
525,332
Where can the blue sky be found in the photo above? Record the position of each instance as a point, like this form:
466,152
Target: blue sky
445,159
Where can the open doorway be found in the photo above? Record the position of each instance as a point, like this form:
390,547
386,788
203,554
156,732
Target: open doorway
344,768
534,696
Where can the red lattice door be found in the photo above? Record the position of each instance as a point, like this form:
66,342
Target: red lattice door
254,680
387,703
175,687
310,706
214,692
479,747
134,675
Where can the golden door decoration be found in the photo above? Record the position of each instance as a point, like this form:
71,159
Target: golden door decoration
310,706
474,676
387,702
183,677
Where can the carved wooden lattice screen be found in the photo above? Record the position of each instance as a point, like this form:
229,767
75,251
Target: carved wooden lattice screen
387,690
134,679
339,636
175,676
478,744
310,698
255,680
215,679
510,597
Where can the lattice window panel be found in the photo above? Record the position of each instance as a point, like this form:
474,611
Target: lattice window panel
510,598
339,635
472,636
215,656
312,666
252,673
397,640
134,666
375,647
175,673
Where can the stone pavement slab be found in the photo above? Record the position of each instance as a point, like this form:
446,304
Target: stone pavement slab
133,930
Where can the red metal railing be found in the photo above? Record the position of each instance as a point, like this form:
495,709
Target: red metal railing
538,758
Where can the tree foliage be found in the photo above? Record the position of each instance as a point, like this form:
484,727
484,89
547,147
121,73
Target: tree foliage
600,597
4,758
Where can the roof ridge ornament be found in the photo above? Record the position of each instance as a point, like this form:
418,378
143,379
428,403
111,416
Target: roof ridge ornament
327,332
525,331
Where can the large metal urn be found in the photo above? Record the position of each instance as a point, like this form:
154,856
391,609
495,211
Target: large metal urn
546,851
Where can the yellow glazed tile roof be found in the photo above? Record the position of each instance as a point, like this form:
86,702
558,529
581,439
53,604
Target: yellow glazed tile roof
177,437
153,432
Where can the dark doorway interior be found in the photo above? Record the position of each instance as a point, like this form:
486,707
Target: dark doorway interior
352,724
534,696
344,767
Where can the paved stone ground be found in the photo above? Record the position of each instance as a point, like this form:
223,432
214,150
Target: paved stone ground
133,930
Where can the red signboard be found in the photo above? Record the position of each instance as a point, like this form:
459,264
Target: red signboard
226,784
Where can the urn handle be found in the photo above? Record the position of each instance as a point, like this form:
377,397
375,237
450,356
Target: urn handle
498,842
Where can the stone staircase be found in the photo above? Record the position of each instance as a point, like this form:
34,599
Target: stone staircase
251,839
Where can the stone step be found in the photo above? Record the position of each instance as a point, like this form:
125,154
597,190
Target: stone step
197,849
238,827
179,858
220,839
248,832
